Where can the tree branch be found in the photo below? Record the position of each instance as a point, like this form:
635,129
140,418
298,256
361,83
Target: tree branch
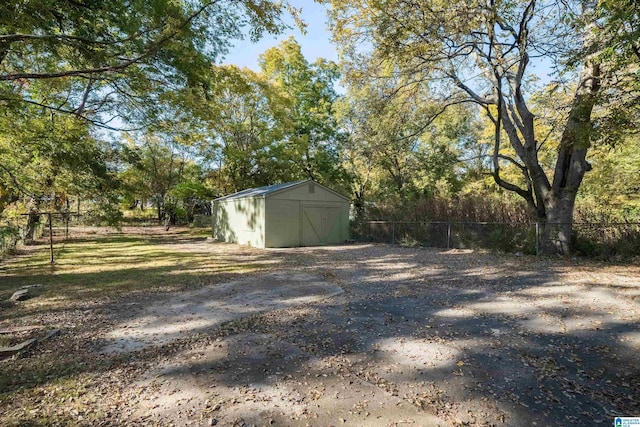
513,161
14,180
11,38
477,98
151,50
94,122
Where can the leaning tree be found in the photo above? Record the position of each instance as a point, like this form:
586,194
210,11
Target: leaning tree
484,52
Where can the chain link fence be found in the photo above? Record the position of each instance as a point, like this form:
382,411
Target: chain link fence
602,240
15,232
598,240
64,226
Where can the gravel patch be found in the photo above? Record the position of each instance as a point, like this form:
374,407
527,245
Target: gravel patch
356,335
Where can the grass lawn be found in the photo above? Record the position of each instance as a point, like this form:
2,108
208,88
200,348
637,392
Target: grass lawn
109,266
84,292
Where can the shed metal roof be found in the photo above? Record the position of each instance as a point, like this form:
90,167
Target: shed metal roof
270,189
260,191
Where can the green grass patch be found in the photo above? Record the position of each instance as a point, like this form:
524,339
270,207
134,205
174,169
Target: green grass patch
116,265
64,380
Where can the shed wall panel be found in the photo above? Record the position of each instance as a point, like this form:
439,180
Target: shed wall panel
282,222
240,221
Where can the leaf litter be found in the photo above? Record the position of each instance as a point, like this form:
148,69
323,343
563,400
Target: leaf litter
418,337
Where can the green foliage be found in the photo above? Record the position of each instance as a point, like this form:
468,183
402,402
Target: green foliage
607,242
248,122
187,196
503,237
406,135
614,181
403,147
617,45
68,66
159,169
103,213
9,231
467,52
277,125
618,42
47,158
118,53
313,139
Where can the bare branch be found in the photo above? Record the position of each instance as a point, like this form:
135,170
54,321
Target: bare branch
433,117
477,98
12,38
513,162
94,122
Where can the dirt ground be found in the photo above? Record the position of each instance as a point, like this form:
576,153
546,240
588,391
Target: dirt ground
365,335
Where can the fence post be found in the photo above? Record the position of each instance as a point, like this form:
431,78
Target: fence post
50,237
537,239
448,235
393,232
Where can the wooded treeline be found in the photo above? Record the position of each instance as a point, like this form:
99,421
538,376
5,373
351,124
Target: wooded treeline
433,103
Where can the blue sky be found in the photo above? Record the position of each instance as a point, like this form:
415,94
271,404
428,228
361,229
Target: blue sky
316,43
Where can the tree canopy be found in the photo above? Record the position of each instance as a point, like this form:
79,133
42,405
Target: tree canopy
70,67
482,53
125,105
112,53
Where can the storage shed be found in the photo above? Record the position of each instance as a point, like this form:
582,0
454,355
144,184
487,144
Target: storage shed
302,213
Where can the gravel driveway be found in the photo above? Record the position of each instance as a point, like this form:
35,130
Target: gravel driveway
421,337
180,331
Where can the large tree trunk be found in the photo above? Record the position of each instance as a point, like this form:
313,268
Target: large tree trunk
33,219
359,206
160,212
557,228
571,166
553,202
559,203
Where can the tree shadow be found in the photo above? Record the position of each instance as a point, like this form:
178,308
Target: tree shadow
468,337
494,342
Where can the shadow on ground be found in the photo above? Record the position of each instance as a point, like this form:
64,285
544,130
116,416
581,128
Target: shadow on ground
418,336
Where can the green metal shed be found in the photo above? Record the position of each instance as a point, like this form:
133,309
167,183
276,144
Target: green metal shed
302,213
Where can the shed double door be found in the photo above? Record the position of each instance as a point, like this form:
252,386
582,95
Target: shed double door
320,225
